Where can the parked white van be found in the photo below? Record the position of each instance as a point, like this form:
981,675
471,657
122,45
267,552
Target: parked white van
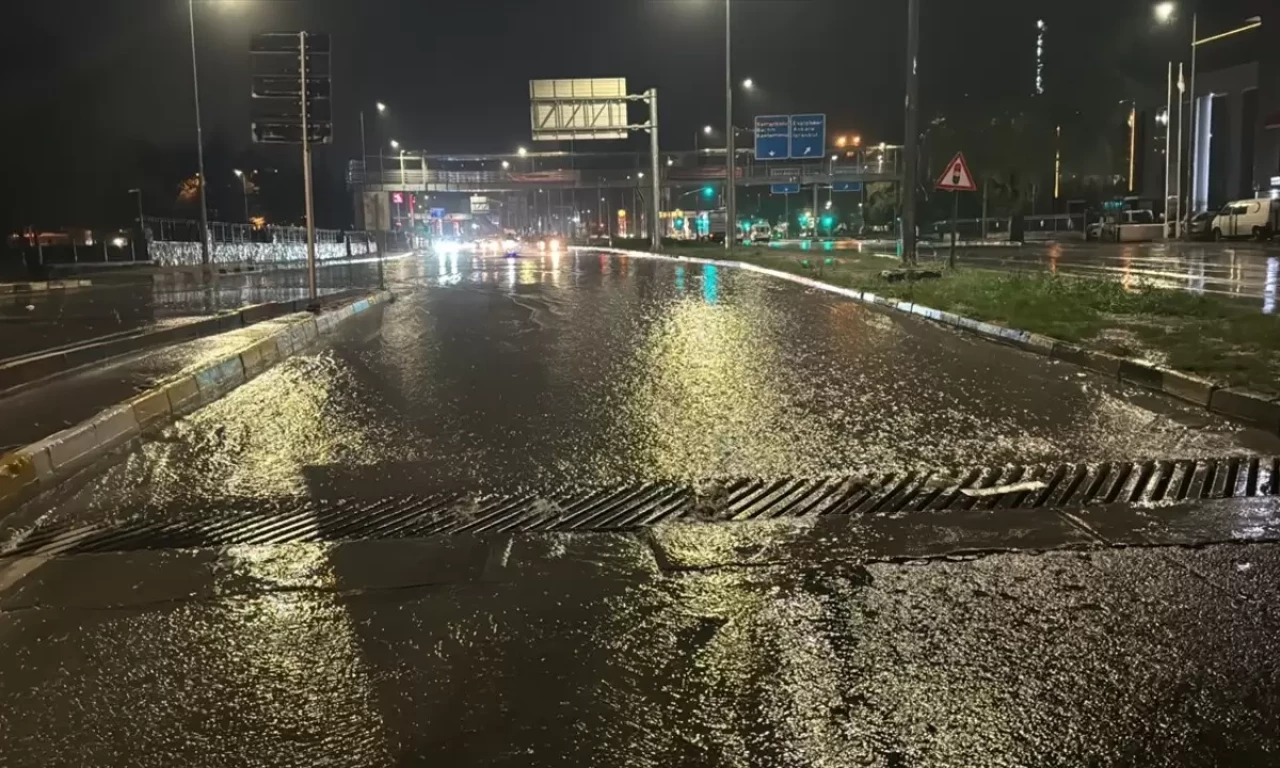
1245,218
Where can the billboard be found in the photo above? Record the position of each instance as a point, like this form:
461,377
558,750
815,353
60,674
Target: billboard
583,108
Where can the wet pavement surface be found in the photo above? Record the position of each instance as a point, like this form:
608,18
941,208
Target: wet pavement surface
1103,635
131,301
496,375
639,650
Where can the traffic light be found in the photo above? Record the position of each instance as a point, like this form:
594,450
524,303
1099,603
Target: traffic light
708,192
828,220
679,222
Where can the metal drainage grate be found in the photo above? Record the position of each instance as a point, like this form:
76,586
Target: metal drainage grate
636,506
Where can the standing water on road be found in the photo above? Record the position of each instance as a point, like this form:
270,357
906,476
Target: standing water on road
492,373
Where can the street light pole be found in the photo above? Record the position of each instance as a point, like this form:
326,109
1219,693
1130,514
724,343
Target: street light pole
1177,227
195,83
730,223
1191,154
244,189
911,147
142,227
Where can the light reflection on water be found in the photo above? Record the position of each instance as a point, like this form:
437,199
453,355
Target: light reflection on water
1269,289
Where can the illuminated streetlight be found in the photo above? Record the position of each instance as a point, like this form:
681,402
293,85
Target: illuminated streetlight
382,107
1164,12
706,129
395,144
670,162
748,84
521,151
244,189
505,165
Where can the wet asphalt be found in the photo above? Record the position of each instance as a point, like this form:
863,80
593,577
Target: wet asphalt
128,301
604,649
497,375
1098,639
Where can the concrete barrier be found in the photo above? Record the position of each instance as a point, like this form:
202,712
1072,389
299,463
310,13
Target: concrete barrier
38,467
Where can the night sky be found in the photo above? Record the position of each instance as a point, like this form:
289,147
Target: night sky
99,93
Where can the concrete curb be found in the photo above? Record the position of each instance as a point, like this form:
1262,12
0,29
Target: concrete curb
43,286
28,370
1255,408
43,465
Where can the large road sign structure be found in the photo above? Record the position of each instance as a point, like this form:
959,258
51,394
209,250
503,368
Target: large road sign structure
791,137
292,98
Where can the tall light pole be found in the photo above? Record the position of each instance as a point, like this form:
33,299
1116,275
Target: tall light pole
730,213
912,144
195,84
142,226
1251,23
244,189
399,206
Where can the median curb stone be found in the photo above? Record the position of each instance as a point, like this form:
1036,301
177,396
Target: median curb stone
1240,403
1234,402
29,471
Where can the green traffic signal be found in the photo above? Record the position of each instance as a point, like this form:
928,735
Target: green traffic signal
708,191
827,221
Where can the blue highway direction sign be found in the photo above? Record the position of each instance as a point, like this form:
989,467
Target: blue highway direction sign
784,189
773,137
808,136
847,186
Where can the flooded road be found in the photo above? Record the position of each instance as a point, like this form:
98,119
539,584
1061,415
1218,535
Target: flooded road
978,636
494,375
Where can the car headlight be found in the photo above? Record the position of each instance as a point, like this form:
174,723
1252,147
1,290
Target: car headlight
554,244
510,245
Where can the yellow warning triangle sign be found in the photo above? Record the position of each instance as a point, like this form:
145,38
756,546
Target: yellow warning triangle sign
956,177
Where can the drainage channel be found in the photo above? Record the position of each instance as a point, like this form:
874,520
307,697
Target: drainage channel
628,507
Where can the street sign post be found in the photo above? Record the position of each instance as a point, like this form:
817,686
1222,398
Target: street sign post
784,189
773,137
846,186
292,92
596,108
808,136
956,179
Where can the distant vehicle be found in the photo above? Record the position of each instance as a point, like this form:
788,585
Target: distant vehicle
1125,226
1201,226
1245,218
761,233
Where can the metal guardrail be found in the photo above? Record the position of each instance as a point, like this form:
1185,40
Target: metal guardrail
188,231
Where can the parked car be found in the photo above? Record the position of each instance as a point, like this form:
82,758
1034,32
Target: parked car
761,233
1200,227
1244,218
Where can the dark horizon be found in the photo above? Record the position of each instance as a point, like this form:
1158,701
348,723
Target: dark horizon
105,99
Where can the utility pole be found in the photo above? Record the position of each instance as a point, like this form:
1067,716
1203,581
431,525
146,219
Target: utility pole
1168,147
195,83
1182,86
911,145
730,214
1191,153
306,170
142,225
654,169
